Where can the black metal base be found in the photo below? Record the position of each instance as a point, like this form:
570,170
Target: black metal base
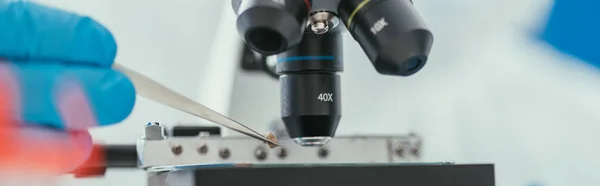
350,175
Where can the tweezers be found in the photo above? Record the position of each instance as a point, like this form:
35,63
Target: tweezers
148,88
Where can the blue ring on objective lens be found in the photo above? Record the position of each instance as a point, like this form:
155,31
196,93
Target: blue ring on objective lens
304,58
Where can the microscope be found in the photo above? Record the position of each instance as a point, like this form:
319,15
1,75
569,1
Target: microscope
305,36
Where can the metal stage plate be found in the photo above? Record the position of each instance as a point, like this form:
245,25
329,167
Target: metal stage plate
190,152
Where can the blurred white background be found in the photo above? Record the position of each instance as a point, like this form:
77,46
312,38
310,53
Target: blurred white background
490,92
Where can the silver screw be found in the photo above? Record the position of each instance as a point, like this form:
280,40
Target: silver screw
400,149
282,153
153,131
177,150
320,27
416,142
203,149
323,152
260,153
224,153
415,150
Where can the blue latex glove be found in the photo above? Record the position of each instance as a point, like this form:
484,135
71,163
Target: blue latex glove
574,28
55,82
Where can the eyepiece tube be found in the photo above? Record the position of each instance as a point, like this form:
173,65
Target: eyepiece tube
310,88
390,32
272,26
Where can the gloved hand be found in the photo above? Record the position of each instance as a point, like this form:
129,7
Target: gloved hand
55,83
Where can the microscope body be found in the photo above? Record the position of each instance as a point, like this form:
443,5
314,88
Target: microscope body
308,69
306,37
